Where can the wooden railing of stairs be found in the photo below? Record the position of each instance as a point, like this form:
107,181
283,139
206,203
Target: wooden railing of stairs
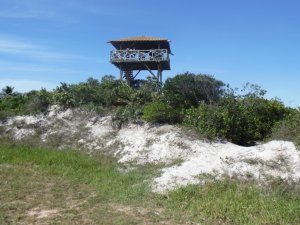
129,76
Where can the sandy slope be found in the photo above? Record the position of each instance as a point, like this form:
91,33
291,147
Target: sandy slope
141,144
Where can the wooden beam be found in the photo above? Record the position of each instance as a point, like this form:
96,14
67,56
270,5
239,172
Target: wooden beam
121,73
136,74
150,71
159,72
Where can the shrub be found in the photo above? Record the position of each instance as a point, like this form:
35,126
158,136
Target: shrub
211,121
289,128
28,103
37,101
12,105
189,90
160,112
90,92
86,93
124,114
241,121
62,96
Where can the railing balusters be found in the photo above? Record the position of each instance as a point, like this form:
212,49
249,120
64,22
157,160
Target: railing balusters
139,55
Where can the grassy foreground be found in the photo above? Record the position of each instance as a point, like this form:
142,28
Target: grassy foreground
39,186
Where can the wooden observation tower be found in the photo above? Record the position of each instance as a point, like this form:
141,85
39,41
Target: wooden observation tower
140,53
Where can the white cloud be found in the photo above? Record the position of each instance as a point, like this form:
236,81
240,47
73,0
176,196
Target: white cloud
7,68
24,15
54,10
66,11
9,46
24,85
29,9
29,50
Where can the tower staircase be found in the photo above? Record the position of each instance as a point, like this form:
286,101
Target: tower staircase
129,76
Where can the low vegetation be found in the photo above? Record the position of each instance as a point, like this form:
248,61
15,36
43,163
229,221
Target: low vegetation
198,101
288,128
67,187
243,120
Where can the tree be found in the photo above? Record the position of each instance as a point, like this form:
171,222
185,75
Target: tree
92,81
189,90
108,79
8,90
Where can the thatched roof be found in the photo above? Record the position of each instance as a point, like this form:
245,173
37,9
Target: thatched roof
141,42
140,38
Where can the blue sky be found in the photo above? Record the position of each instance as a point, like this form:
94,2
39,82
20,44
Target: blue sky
45,42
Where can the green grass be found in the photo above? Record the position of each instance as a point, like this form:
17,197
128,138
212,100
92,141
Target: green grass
233,202
80,189
80,168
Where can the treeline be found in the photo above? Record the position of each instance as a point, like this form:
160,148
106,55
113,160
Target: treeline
198,101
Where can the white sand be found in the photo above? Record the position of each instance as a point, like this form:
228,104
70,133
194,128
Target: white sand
141,144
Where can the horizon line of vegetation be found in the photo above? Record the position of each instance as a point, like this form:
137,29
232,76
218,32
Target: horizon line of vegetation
198,101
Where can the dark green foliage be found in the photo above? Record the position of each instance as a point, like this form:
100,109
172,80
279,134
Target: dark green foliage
208,120
87,92
109,92
160,112
122,94
189,90
198,100
91,92
11,105
8,90
132,101
289,128
151,83
124,114
38,101
63,96
11,102
30,103
242,120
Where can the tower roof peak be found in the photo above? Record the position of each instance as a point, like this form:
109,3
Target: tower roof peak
140,38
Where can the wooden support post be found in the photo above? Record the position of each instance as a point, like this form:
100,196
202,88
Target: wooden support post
121,74
150,71
160,76
159,72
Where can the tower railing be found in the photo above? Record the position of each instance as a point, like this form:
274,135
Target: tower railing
132,55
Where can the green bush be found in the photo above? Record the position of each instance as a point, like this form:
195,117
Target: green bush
87,92
125,114
289,128
241,121
63,96
211,121
12,105
91,92
160,112
29,103
189,90
37,101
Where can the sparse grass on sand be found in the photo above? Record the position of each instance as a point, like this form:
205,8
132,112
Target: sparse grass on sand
39,186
